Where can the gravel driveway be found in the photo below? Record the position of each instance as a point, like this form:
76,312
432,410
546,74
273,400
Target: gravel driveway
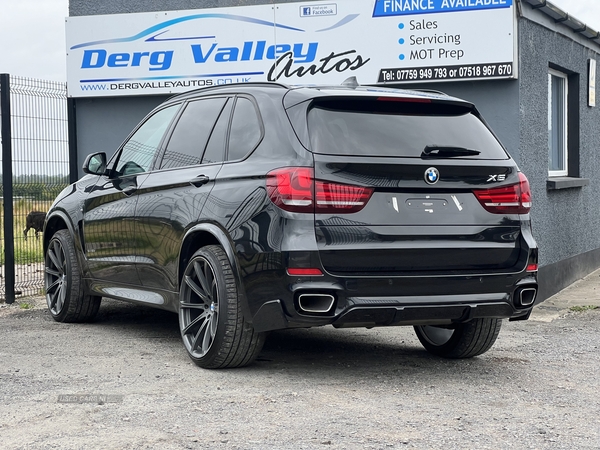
125,381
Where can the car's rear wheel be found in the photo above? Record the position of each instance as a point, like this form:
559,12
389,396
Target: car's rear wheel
65,294
212,325
464,340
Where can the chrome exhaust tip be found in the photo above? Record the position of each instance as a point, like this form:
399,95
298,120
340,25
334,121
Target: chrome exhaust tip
316,303
527,296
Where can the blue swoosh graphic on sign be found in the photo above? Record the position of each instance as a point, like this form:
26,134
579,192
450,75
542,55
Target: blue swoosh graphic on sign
341,23
193,38
168,23
108,80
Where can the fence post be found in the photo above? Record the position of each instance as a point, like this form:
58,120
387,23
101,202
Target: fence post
7,178
72,124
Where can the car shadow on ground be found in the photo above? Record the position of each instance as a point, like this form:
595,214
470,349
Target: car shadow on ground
327,346
394,353
304,351
125,320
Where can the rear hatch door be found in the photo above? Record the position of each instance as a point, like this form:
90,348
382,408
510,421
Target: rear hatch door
421,161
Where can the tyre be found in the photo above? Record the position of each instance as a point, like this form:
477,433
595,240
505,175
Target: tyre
212,325
65,293
464,340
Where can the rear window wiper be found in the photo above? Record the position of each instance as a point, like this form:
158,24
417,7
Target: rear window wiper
443,151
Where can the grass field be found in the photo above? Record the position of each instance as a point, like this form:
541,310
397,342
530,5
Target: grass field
30,250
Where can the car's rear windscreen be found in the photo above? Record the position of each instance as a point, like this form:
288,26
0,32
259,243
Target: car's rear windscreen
398,127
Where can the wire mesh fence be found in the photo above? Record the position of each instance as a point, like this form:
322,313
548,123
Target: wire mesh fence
40,170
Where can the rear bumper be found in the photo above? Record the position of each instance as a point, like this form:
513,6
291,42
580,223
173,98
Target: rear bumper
385,301
426,314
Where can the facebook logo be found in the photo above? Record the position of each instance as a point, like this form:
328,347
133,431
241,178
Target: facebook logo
325,10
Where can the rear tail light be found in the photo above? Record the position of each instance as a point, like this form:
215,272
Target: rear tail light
301,272
332,197
531,268
294,189
513,199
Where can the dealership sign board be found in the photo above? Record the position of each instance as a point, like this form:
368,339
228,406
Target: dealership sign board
378,41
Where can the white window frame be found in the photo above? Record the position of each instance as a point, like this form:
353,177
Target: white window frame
563,123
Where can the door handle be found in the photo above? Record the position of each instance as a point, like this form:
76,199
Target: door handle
200,180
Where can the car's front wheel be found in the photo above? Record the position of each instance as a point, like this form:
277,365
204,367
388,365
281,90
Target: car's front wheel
65,293
463,340
212,325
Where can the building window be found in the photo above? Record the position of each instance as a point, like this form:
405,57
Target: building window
558,94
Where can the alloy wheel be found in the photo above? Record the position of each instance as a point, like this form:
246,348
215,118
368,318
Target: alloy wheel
436,335
56,277
199,307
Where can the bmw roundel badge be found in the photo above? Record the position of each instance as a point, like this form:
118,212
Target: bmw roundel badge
432,175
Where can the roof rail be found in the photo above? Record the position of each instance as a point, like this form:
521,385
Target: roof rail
221,86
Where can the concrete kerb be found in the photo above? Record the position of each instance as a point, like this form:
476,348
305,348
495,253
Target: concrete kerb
584,292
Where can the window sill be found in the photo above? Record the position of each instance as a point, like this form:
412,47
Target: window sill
556,183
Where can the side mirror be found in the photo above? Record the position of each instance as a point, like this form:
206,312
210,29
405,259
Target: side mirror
95,164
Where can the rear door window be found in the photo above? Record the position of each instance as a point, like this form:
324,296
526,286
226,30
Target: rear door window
188,141
246,130
215,150
396,127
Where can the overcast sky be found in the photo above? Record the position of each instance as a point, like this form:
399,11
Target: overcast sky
32,34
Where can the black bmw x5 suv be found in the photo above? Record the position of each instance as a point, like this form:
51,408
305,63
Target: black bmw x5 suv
257,207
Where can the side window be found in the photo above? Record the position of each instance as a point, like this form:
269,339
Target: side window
141,148
245,130
191,133
215,150
563,123
557,123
